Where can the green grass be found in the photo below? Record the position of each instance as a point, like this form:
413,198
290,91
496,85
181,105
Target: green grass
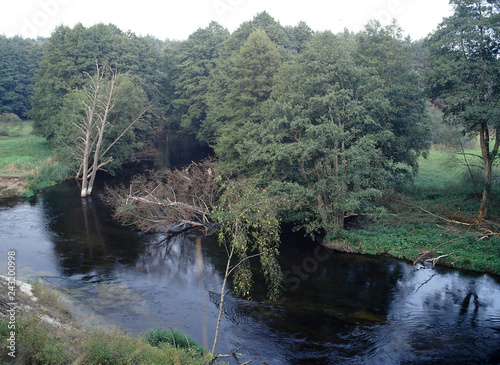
422,215
21,152
30,158
174,337
40,343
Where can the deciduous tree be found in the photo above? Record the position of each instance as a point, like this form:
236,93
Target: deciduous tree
321,140
464,74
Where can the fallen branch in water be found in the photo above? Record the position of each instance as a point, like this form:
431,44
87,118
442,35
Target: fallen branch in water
232,354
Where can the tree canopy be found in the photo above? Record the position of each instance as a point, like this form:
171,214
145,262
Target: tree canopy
327,120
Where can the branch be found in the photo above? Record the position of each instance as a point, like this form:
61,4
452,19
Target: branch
125,131
469,154
421,256
168,204
435,215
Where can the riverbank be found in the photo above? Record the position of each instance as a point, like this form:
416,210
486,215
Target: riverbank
39,328
433,220
27,164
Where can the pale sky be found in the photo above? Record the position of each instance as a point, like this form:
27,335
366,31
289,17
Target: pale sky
178,19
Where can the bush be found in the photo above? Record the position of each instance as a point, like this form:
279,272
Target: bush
10,123
44,176
35,344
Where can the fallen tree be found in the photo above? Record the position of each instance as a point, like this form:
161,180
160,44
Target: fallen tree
165,199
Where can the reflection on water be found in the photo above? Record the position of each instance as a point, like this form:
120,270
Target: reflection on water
336,308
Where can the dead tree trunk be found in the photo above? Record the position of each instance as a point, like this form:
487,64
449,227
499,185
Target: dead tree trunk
98,102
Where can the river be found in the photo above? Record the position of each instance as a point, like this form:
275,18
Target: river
336,308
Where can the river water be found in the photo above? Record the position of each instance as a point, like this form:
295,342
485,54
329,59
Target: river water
336,308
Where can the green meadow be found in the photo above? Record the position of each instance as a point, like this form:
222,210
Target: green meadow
30,158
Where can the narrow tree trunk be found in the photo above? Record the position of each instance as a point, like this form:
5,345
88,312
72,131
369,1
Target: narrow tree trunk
222,295
488,157
85,167
485,200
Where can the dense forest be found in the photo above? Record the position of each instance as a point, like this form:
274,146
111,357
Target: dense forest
325,123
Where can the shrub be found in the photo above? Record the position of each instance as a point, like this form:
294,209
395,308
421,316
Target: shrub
35,344
44,176
10,123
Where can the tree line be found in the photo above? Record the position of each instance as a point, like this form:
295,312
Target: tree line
328,121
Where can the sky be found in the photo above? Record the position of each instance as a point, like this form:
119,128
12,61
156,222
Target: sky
176,20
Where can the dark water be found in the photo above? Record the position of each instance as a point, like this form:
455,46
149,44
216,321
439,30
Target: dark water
337,308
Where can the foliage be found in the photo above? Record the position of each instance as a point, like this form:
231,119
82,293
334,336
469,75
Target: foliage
321,138
239,86
10,124
249,226
174,337
40,343
439,208
99,124
34,343
44,175
19,59
115,348
385,51
194,59
445,135
71,54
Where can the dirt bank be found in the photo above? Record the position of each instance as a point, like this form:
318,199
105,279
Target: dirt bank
11,186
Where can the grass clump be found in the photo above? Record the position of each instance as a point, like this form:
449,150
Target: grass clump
46,334
36,343
174,337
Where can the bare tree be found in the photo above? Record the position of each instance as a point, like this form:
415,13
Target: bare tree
98,100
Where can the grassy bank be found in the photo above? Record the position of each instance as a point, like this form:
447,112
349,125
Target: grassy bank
433,220
27,164
45,334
